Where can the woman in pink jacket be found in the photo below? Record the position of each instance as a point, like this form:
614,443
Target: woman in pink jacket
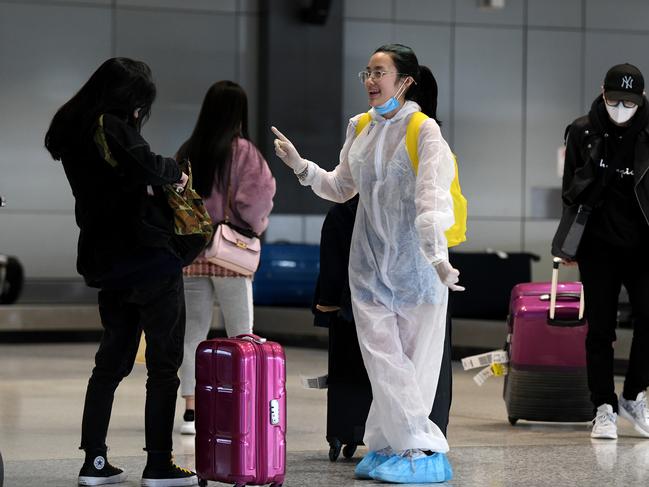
219,151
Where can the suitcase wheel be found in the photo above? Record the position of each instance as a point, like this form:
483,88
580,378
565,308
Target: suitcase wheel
334,449
202,482
276,485
349,450
512,421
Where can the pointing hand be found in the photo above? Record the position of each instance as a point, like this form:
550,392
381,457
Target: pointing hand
287,152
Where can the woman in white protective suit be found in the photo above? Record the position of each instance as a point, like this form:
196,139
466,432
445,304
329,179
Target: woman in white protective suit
398,267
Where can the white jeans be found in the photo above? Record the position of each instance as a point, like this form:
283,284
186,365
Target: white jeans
234,297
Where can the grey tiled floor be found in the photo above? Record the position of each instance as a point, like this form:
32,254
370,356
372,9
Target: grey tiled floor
41,396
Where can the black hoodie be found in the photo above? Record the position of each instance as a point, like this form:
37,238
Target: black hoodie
124,233
617,219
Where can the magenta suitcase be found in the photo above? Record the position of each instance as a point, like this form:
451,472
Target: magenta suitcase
541,288
565,290
547,355
241,411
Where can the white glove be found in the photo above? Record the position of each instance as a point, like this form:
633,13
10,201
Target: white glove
448,275
287,152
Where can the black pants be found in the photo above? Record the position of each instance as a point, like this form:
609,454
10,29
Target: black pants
158,308
603,270
444,392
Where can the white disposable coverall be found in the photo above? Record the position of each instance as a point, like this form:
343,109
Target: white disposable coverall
398,300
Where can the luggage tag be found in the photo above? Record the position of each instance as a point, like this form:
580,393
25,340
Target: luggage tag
499,369
493,370
318,382
485,359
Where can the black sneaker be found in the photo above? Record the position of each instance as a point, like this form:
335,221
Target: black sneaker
97,471
170,476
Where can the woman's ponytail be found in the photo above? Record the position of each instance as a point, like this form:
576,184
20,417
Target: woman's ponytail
425,92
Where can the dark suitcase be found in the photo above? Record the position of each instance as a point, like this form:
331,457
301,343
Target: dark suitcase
497,271
547,378
287,275
349,393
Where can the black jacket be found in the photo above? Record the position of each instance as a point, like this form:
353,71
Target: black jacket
124,231
584,150
332,288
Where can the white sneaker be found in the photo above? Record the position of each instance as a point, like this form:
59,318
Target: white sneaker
636,412
605,423
188,428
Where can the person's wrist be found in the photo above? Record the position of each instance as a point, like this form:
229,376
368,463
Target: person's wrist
301,176
301,166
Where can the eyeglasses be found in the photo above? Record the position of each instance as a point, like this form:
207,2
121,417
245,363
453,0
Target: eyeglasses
614,103
375,75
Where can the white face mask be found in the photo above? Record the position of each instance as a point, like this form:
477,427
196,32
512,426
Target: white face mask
620,114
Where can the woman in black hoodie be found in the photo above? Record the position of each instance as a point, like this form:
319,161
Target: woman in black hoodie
126,249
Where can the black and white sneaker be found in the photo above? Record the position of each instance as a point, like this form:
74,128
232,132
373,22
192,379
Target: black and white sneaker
170,476
188,427
97,471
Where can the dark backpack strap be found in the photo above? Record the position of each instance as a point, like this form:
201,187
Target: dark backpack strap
565,134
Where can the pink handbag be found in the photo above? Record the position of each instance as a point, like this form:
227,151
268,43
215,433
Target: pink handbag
233,248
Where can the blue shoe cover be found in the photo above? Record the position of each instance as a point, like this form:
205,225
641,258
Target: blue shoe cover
368,463
423,470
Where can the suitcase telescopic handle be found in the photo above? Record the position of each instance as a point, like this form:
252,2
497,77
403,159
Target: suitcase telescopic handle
553,292
252,338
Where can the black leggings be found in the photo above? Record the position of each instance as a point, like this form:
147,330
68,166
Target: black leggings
158,308
603,270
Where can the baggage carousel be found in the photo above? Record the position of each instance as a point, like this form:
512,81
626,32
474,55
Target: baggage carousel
61,310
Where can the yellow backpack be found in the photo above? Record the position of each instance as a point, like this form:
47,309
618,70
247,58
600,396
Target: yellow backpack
457,233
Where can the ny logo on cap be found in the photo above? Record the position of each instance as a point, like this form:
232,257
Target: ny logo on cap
627,82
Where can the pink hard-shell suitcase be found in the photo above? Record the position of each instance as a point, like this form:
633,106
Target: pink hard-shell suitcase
542,288
241,411
547,378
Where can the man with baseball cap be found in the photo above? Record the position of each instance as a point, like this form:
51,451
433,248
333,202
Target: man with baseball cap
623,83
607,169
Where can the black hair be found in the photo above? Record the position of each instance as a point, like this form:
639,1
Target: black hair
223,117
424,92
119,86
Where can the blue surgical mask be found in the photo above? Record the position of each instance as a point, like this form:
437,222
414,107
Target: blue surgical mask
392,104
389,106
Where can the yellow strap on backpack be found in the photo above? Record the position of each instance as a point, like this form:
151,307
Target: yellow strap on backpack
457,233
363,120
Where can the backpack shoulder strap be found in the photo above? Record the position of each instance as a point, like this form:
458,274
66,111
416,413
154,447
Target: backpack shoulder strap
99,138
565,134
362,122
412,138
